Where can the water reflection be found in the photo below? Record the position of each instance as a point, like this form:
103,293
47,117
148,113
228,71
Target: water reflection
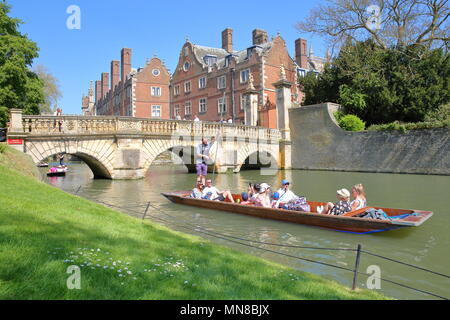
426,245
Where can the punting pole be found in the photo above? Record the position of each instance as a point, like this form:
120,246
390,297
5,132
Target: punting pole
217,152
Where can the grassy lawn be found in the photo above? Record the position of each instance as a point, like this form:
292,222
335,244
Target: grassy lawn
44,230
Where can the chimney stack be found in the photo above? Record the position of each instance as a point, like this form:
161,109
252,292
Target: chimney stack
259,37
115,73
105,83
300,53
98,90
227,40
125,56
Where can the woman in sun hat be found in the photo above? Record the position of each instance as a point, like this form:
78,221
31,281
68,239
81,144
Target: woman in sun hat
340,207
262,199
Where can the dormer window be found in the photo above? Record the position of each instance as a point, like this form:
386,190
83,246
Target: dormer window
210,60
227,60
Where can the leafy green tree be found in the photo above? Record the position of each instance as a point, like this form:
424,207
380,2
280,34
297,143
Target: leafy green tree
19,86
383,85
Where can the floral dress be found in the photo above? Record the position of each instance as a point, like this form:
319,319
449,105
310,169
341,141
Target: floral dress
341,207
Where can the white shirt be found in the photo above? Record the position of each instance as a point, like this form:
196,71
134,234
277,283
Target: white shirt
213,190
196,119
285,196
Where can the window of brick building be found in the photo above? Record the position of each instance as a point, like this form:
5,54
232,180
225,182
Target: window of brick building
176,110
222,105
245,74
202,106
202,83
187,108
156,111
187,87
221,82
156,91
176,90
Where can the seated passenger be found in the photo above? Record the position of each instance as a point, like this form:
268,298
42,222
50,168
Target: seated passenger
286,195
340,207
244,196
262,198
197,191
214,194
359,197
275,198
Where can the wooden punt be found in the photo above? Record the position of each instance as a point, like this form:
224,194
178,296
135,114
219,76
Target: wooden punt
347,222
59,173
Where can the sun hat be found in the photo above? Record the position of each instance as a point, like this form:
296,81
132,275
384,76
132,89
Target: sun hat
344,193
265,186
285,182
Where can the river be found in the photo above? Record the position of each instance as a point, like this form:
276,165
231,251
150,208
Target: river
426,246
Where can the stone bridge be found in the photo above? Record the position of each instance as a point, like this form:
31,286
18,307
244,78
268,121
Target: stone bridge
124,147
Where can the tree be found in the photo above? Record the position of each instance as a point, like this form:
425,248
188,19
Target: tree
52,92
389,23
19,86
383,85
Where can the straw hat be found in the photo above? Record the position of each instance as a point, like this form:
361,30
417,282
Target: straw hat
344,193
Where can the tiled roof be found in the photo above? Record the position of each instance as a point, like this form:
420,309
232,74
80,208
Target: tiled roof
202,51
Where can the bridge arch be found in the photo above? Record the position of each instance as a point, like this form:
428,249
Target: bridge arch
252,156
100,166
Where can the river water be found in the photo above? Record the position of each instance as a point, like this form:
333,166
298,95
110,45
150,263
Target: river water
426,246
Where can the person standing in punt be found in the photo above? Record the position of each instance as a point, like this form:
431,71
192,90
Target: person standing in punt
202,155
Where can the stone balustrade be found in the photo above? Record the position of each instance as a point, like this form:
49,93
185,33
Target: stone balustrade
75,125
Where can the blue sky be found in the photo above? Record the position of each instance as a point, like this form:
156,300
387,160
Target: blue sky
149,28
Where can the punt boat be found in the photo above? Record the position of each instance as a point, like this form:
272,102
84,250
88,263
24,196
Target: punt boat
59,172
349,222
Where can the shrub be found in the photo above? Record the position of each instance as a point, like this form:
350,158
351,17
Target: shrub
351,122
404,127
2,147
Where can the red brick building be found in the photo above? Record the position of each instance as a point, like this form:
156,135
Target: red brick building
141,93
210,82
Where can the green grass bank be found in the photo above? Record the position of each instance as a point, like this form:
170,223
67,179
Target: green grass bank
44,230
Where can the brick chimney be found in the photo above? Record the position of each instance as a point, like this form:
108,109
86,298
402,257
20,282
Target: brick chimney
227,40
300,53
259,37
105,83
125,57
115,73
98,90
